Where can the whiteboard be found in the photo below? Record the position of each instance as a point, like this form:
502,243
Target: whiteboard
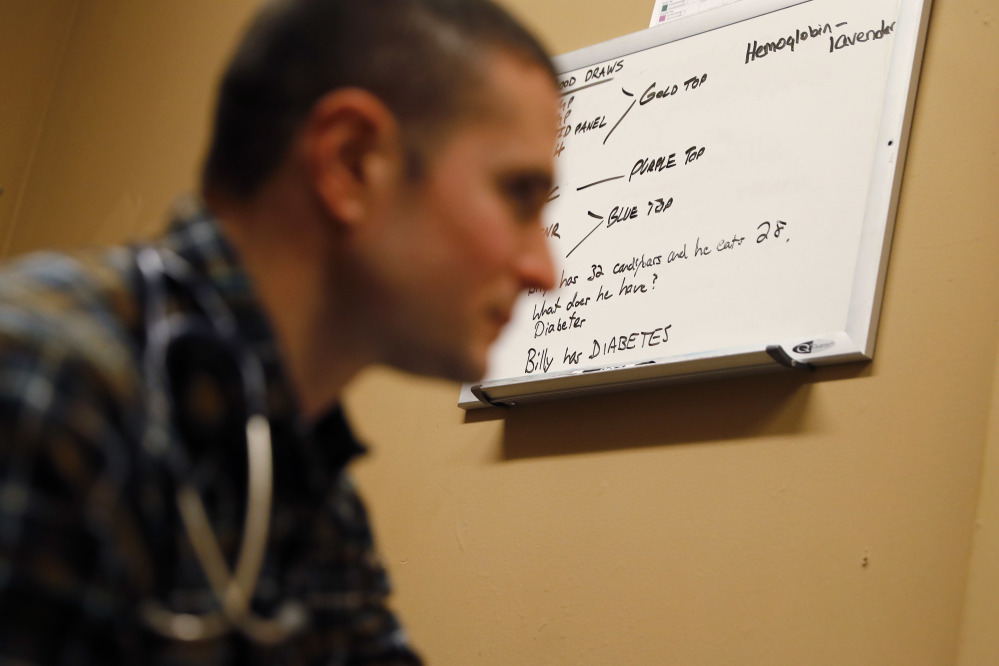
725,195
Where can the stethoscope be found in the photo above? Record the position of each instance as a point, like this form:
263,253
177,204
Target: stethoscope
233,589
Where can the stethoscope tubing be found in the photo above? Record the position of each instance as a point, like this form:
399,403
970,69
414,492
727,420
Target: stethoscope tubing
232,588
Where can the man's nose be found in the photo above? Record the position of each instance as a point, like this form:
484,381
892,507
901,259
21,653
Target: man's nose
537,266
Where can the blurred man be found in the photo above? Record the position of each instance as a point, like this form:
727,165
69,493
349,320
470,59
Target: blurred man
172,451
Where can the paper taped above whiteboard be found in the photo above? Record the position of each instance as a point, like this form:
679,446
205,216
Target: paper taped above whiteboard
725,196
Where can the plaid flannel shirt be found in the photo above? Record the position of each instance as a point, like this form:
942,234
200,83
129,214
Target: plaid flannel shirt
89,527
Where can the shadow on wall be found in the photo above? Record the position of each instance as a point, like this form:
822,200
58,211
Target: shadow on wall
707,411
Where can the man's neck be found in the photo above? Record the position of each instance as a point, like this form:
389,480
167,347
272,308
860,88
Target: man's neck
286,248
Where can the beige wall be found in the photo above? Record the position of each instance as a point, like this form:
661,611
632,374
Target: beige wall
772,520
127,118
979,638
33,36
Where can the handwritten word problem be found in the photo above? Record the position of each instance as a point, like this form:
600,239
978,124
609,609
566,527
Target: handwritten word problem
628,278
542,360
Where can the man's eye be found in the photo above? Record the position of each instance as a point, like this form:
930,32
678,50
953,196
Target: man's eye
526,196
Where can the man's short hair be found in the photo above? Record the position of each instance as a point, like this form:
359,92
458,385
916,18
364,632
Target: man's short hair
423,58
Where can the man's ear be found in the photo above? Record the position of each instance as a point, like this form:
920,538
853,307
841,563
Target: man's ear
352,145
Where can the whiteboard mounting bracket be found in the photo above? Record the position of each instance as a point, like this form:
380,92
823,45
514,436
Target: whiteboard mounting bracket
483,397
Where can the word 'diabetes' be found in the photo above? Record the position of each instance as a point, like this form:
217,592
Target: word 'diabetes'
636,340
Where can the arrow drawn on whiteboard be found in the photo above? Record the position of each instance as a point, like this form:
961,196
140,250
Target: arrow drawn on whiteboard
622,117
600,224
599,182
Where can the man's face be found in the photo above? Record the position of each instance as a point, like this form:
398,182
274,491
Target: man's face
460,243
